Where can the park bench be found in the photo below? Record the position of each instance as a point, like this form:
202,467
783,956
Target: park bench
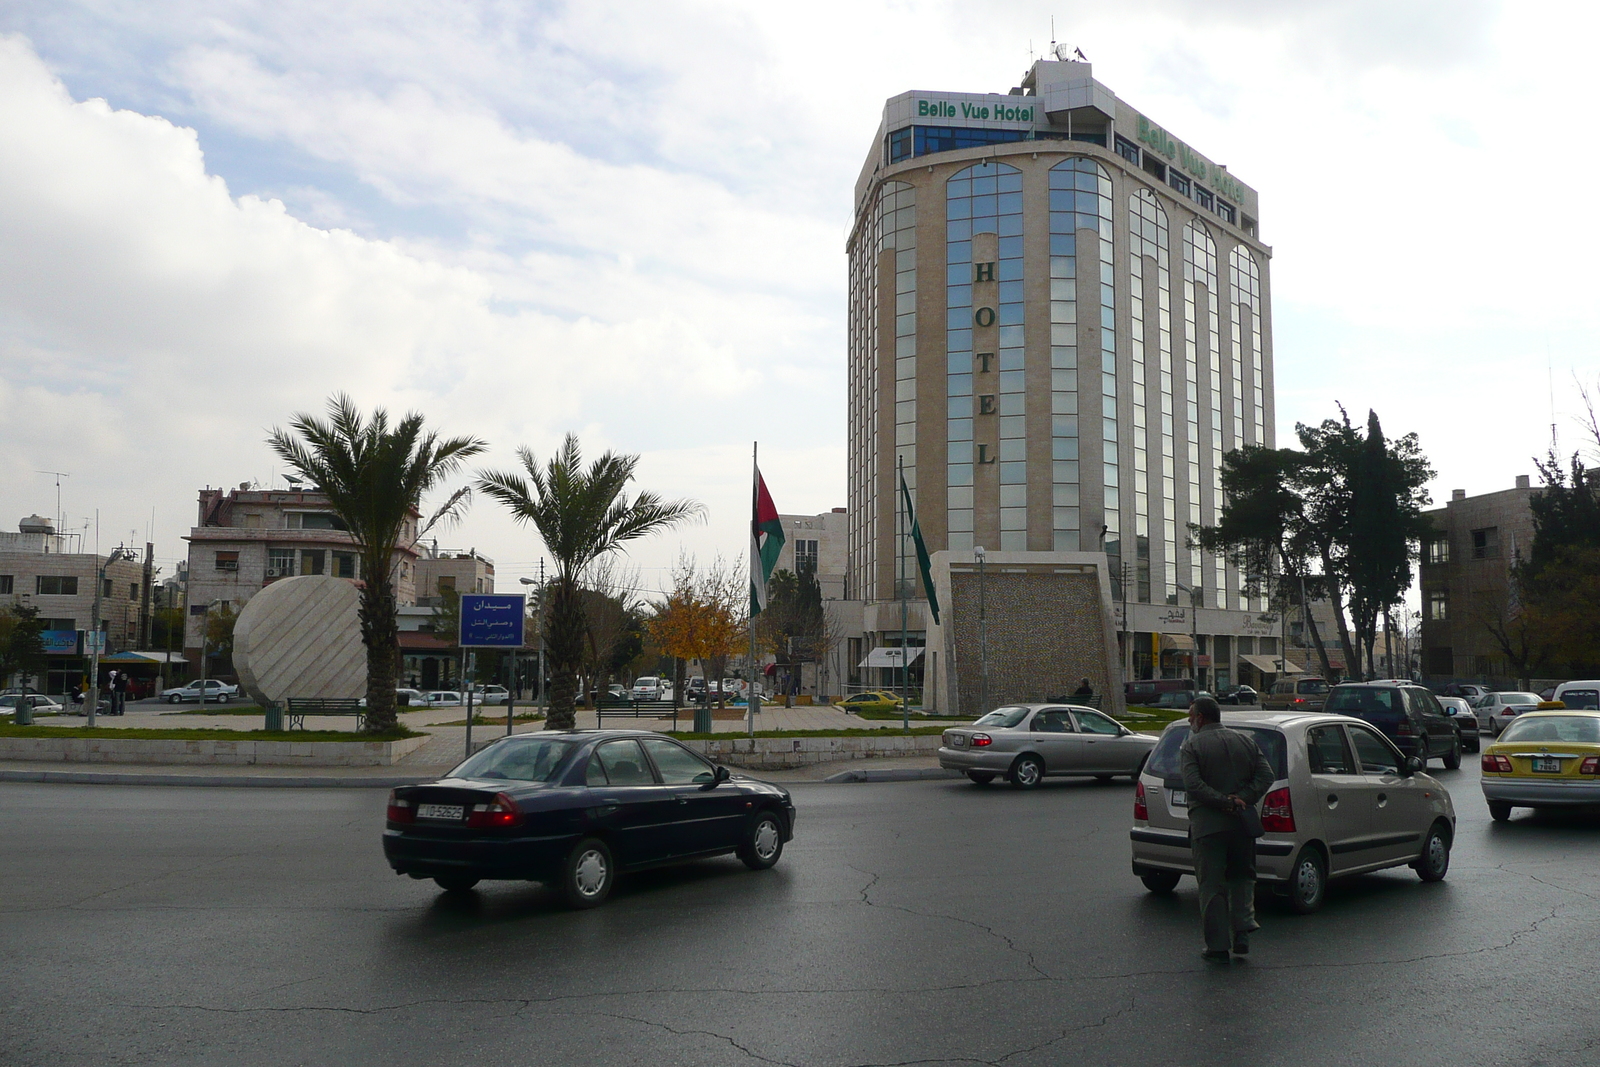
299,707
1082,702
637,709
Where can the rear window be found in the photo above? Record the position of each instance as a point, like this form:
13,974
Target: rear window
1316,685
1576,699
1518,698
1003,717
1568,729
1164,758
1374,705
535,759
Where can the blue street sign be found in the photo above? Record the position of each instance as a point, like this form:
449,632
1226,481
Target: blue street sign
492,620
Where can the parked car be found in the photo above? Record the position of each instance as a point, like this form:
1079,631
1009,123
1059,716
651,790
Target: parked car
1544,759
873,700
1464,720
405,698
13,690
1145,692
1344,800
616,691
573,810
1238,695
1407,714
1026,743
215,692
1578,696
1470,690
722,691
442,698
649,687
1496,710
490,694
37,703
1296,694
1179,698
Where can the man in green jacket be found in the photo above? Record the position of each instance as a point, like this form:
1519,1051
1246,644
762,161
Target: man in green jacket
1224,773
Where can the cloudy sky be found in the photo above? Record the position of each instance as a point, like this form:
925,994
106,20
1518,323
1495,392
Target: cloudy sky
627,220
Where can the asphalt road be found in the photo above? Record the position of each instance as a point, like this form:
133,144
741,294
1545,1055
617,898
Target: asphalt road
919,922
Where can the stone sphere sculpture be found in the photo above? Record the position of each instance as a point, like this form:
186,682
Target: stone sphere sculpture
301,637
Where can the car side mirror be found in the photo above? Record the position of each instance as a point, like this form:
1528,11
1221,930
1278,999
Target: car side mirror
1412,766
719,777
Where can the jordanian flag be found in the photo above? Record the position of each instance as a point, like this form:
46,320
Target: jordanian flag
766,541
924,564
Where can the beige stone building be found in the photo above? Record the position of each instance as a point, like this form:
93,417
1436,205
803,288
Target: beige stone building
438,570
1059,322
1466,582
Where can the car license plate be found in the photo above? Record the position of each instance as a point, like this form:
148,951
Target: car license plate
958,741
450,812
1180,798
1547,766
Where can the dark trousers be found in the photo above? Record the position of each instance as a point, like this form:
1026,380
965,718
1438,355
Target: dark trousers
1225,867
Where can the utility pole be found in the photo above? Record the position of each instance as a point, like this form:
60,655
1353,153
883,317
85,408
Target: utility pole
983,635
96,636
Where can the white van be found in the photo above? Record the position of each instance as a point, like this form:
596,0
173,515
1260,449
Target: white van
1585,695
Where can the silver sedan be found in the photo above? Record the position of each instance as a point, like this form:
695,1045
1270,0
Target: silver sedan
1025,743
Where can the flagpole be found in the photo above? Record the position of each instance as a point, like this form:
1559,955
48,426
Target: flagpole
900,557
752,696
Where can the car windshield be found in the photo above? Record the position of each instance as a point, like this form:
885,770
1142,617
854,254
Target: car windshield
1003,717
533,759
1571,729
1517,698
1164,758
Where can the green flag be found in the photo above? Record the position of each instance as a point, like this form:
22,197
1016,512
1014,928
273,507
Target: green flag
923,563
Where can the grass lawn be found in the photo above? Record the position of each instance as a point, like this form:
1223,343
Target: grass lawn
916,716
229,709
12,730
915,731
490,720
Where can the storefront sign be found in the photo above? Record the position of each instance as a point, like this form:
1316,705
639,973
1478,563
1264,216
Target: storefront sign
944,109
60,642
1260,626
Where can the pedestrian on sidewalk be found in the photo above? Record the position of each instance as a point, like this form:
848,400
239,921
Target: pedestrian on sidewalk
1225,774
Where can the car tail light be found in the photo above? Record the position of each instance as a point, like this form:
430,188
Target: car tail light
1495,764
1508,712
1277,812
401,810
1141,810
1404,729
1299,700
980,740
1590,765
501,811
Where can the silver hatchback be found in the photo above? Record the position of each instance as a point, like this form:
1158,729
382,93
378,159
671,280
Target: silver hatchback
1343,801
1025,743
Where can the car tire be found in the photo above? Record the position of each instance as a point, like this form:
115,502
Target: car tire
763,843
1452,759
455,883
1160,881
1026,773
174,698
1435,859
1477,745
588,874
222,698
980,777
1308,881
1499,810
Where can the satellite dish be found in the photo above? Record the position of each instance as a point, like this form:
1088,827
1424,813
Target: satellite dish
1070,54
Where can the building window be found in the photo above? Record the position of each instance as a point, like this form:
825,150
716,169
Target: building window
228,561
1249,225
311,561
1227,212
314,520
59,624
7,582
133,590
1127,150
1154,166
805,557
1150,341
900,145
931,139
1437,551
55,585
344,565
1486,543
1178,181
280,562
1438,607
1203,197
1202,293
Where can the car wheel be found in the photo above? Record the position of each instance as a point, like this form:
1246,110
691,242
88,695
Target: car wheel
980,777
455,883
222,698
173,699
1499,810
1308,882
1160,881
764,843
1026,773
1435,859
1477,745
1452,759
588,875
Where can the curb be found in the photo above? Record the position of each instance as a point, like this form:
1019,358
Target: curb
908,774
246,780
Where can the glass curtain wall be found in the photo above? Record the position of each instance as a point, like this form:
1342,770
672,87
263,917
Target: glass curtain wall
1244,278
1200,283
1147,225
1080,204
898,212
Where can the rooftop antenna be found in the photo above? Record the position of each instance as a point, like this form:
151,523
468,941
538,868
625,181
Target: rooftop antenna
61,519
1550,378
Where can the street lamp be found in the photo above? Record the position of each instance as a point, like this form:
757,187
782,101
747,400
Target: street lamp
1194,632
982,557
97,635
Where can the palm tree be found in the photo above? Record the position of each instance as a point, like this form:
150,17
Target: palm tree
374,477
582,516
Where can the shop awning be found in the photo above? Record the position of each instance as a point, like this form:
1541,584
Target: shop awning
134,658
1271,664
1176,642
890,657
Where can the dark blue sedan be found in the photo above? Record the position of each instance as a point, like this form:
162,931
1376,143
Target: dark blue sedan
573,809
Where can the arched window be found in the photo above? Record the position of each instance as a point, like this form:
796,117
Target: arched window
1203,319
1151,336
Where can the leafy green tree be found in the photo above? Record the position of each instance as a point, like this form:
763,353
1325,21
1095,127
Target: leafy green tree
582,515
21,643
1560,577
375,476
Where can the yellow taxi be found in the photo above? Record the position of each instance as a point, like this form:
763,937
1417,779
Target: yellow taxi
875,700
1543,759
